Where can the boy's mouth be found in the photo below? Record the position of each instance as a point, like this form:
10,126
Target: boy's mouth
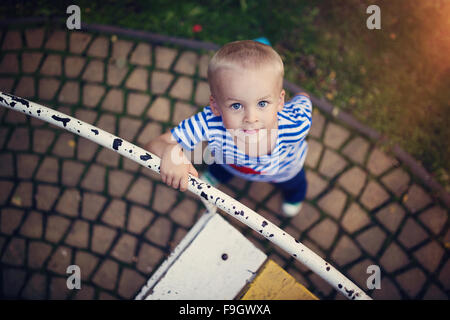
250,131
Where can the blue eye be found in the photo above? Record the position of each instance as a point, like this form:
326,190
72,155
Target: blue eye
263,104
236,106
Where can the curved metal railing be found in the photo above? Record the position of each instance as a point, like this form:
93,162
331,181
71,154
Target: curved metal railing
214,196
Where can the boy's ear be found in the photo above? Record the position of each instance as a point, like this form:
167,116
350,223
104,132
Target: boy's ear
213,105
281,101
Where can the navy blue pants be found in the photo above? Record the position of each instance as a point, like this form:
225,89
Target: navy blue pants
293,190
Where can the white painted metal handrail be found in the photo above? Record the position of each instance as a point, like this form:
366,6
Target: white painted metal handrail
197,186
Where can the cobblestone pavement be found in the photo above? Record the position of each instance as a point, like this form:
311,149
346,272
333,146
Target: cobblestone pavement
65,200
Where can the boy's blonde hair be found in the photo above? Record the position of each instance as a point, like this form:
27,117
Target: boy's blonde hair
245,54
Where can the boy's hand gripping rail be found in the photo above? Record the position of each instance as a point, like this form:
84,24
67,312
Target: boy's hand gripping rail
202,189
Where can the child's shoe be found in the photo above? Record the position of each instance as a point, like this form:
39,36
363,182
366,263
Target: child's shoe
290,210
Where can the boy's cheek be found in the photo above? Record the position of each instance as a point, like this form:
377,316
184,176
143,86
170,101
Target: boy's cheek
232,121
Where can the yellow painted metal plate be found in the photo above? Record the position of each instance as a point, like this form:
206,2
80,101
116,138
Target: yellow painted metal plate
274,283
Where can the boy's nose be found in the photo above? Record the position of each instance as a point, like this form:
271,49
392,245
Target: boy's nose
250,116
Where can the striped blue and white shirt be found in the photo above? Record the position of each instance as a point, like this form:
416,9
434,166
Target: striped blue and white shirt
283,163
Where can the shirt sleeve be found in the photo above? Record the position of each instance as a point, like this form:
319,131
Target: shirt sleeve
192,130
301,108
298,113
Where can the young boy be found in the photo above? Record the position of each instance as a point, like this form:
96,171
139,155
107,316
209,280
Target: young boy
251,132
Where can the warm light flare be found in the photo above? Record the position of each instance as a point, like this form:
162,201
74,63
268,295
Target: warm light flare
435,35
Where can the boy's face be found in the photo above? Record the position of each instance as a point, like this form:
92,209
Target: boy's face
248,101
